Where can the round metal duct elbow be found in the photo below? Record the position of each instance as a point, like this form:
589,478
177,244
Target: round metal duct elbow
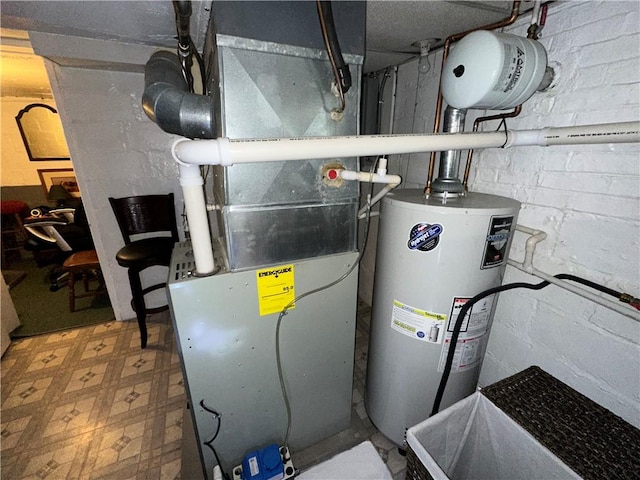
167,101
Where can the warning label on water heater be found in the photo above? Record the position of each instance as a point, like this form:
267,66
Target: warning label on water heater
473,334
418,324
275,289
495,247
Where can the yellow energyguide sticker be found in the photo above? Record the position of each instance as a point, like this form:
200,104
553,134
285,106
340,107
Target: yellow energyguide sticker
276,289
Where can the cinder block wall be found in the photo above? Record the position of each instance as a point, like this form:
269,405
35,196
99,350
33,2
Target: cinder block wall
585,197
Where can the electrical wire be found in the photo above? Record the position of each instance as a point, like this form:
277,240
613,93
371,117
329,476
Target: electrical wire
209,443
467,307
284,311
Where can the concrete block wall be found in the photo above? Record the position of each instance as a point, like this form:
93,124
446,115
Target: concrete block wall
585,197
116,150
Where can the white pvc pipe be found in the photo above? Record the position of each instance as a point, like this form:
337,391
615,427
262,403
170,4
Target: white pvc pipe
605,302
376,198
369,177
535,237
191,182
535,13
223,151
228,152
625,132
527,266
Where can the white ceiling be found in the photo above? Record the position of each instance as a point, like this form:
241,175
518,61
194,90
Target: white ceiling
393,27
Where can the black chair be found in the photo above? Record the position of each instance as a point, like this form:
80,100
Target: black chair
137,216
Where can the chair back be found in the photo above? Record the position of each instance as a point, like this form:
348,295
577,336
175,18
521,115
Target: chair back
145,214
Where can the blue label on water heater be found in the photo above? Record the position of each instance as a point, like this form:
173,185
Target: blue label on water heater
495,247
424,236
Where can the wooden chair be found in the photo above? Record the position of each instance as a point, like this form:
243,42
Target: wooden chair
82,265
136,216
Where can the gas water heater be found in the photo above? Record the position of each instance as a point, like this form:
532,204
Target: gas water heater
436,253
431,259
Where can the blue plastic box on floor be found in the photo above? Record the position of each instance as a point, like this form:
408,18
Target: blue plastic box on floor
268,463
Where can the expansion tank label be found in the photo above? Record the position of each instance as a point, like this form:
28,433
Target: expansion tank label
276,288
424,236
473,334
495,247
419,324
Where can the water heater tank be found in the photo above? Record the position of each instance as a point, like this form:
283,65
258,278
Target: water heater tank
493,70
431,260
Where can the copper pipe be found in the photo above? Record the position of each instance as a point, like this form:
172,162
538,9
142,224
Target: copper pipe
445,53
501,116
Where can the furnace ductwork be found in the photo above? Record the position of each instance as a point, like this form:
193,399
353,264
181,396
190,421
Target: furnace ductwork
167,101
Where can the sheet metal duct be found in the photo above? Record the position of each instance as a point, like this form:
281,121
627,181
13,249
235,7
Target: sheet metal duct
268,62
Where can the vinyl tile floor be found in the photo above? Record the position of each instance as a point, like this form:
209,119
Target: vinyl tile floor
88,403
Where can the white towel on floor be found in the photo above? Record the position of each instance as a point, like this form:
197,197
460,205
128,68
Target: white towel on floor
362,462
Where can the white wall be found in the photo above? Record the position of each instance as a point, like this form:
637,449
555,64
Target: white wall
116,150
585,197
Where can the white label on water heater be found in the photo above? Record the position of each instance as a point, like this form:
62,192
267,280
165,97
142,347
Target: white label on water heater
475,327
418,324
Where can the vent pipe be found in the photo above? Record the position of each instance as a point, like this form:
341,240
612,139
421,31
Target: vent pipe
448,183
167,101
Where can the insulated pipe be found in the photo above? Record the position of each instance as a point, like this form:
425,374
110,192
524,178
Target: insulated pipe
224,151
191,182
167,101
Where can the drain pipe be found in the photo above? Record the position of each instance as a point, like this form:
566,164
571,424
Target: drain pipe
381,176
535,237
191,182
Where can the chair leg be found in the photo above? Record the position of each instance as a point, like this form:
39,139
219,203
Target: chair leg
138,305
72,292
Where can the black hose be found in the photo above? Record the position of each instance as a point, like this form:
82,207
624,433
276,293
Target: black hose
342,71
182,11
467,306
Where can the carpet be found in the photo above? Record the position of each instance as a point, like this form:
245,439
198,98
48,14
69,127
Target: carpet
13,277
362,462
42,311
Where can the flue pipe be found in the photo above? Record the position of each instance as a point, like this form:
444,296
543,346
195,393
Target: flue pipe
445,53
448,182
